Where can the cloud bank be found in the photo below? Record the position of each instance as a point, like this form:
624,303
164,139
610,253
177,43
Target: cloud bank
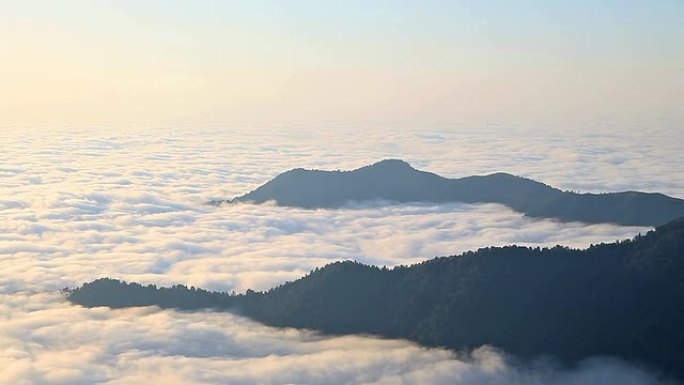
78,205
46,341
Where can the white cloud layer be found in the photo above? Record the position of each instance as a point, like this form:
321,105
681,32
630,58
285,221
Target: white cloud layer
78,205
43,340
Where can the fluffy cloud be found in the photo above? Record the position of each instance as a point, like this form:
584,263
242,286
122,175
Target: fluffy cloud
80,205
79,237
44,340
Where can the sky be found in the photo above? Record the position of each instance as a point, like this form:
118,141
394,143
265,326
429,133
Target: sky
471,63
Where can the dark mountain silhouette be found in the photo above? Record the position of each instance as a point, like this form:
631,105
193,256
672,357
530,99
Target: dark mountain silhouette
623,299
397,181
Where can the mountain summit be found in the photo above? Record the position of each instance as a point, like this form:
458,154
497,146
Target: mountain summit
397,181
391,164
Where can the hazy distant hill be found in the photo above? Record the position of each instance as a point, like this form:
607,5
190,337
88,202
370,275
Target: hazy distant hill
396,180
624,299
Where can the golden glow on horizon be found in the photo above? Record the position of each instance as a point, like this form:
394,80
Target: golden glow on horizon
118,63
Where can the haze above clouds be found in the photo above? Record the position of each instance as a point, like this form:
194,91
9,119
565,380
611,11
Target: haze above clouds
452,61
77,205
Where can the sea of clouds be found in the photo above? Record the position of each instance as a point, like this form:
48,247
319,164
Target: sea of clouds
80,204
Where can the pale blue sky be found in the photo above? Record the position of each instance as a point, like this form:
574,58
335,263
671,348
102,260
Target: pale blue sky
415,61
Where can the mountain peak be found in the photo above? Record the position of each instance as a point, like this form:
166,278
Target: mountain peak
395,164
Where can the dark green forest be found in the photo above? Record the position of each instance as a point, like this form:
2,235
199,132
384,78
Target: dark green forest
623,299
395,180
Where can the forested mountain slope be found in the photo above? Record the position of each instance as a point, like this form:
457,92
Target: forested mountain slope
397,181
623,299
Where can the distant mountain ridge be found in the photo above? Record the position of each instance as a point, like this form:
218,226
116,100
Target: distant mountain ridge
395,180
623,299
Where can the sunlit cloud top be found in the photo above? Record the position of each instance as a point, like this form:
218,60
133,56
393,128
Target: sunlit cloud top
460,62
